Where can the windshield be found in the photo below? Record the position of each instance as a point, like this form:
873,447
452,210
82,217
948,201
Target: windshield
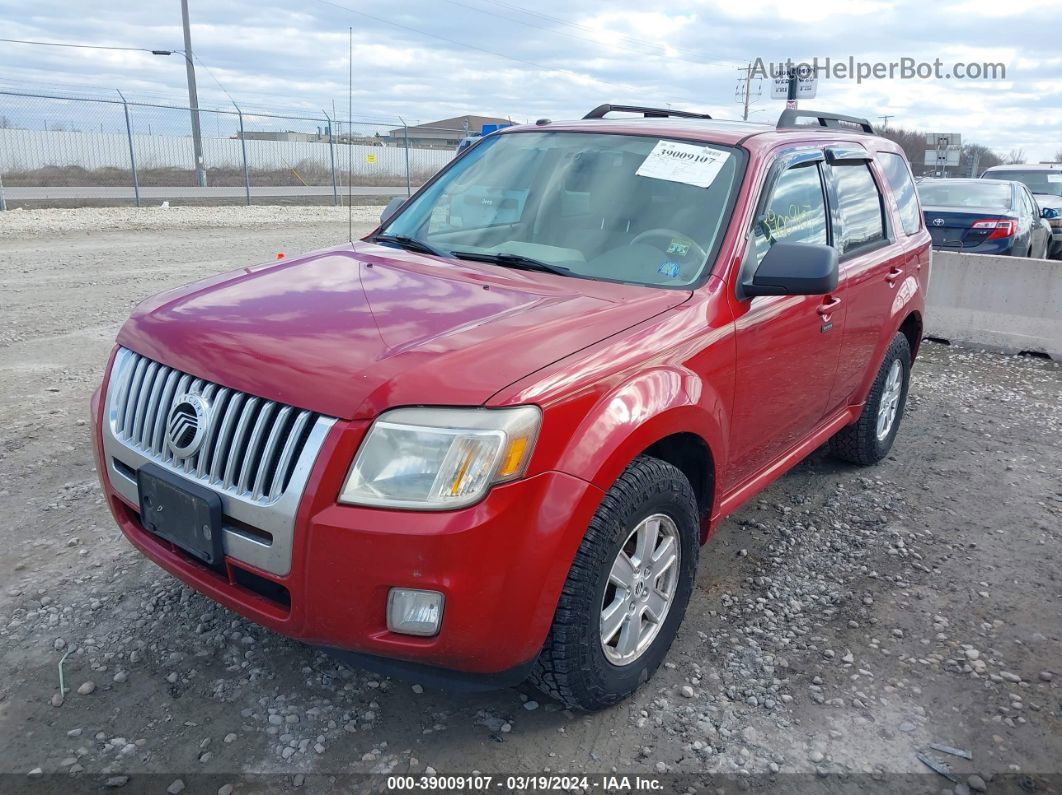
953,193
613,207
1040,181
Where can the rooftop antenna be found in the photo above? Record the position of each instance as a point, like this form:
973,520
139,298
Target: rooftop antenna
350,134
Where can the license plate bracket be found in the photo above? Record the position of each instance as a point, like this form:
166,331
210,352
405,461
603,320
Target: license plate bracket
184,513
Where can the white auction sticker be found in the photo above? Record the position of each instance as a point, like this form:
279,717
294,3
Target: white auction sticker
1054,177
688,163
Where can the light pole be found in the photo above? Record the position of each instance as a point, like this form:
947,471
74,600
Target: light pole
193,99
197,136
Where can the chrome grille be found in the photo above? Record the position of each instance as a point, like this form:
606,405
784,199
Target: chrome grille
252,445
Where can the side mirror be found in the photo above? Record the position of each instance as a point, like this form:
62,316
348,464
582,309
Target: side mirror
392,208
1050,213
795,269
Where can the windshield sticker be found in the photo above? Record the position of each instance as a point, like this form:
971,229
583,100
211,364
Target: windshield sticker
669,268
687,163
679,247
1054,177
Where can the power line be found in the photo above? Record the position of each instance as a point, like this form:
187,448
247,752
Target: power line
82,46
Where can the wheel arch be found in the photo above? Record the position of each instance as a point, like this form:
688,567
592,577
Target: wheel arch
654,415
692,456
911,327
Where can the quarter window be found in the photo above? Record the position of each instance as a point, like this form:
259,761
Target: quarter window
903,189
795,213
859,201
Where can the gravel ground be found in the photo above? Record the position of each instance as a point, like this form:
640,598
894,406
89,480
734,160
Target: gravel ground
843,621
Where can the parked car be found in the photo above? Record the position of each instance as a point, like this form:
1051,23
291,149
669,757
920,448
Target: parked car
1045,182
485,443
980,216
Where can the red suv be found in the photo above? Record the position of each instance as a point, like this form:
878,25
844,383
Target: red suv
485,443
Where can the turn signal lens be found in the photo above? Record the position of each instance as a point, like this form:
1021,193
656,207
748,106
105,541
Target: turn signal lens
514,457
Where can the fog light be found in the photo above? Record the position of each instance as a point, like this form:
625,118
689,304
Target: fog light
414,612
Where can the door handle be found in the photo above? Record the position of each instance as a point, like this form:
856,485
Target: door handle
826,309
893,274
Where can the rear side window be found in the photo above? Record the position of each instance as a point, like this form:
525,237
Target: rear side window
795,213
1031,205
899,178
858,199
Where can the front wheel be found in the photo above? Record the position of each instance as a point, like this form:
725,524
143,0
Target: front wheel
626,591
870,438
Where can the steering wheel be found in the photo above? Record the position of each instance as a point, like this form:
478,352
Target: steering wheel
670,234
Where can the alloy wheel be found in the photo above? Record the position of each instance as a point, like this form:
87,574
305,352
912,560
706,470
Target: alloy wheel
641,587
890,399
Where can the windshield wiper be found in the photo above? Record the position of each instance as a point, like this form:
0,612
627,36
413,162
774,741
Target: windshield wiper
409,244
518,261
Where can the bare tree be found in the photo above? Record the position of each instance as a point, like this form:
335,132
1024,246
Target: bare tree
1015,156
1058,156
978,158
5,123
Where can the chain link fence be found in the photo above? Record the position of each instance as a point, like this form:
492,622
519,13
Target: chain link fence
54,141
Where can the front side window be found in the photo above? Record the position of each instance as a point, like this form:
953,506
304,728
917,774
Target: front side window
860,205
903,190
624,208
795,211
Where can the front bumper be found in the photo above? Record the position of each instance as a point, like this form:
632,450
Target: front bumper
501,565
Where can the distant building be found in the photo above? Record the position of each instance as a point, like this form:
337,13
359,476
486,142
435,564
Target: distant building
282,135
321,136
442,134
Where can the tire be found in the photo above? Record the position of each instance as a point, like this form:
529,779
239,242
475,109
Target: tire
859,443
572,666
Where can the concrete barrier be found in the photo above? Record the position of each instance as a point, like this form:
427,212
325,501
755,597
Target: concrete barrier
1007,303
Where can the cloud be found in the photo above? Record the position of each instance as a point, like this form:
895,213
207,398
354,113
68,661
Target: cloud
430,59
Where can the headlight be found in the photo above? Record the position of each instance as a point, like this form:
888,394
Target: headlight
433,459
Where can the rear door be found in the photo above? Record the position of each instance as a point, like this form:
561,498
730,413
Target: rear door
872,262
902,198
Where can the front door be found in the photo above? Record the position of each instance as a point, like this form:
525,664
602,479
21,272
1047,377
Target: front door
787,347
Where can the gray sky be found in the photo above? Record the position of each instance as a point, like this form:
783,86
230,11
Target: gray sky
429,59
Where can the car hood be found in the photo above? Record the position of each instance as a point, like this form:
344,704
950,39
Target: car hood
357,329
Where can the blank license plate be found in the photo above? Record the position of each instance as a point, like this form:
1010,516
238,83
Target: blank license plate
186,514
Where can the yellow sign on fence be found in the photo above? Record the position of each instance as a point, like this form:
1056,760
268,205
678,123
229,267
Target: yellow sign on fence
370,159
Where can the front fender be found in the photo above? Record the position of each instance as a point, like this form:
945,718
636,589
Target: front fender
636,414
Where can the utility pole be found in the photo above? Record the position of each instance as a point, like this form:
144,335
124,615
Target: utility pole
748,90
791,96
193,100
885,120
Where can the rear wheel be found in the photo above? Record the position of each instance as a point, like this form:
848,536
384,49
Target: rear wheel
626,592
870,438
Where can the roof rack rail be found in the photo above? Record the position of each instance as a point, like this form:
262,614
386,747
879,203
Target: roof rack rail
788,120
649,113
